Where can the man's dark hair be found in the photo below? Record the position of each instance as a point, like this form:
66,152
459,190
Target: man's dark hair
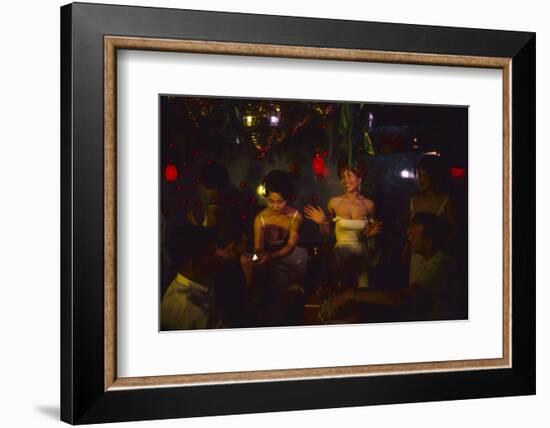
214,176
434,229
279,181
190,243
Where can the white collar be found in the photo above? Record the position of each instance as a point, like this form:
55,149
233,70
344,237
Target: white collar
438,255
186,282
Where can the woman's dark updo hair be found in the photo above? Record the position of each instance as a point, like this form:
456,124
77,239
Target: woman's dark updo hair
435,168
279,181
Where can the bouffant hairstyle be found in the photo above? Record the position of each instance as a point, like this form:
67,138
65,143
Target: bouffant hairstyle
359,169
279,181
435,167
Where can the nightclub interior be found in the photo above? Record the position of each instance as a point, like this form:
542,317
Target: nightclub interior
297,212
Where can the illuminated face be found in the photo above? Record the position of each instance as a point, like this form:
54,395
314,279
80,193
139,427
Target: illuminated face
415,235
276,202
424,180
350,181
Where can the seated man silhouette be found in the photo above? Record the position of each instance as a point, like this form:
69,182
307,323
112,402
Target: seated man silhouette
188,302
232,272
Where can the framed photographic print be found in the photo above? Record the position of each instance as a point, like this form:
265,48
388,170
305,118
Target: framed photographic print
265,213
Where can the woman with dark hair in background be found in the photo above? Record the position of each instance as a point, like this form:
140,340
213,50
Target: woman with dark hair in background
276,236
432,199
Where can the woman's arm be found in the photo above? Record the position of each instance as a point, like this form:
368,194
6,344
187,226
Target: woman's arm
317,215
258,235
331,209
212,215
293,238
375,227
449,211
371,208
411,207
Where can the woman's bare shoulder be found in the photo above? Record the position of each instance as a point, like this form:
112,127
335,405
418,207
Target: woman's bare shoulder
369,203
296,213
293,212
335,200
260,215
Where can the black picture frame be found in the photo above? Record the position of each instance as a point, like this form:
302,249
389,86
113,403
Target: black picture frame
83,395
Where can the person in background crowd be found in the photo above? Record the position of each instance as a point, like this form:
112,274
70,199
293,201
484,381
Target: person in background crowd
214,181
431,199
233,276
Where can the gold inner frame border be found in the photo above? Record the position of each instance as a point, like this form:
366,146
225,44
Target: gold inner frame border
113,43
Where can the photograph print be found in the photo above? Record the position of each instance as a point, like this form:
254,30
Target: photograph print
280,212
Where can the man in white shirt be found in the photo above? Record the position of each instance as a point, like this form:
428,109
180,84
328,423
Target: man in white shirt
188,302
429,294
432,281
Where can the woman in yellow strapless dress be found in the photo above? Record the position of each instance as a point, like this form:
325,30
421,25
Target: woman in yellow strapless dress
352,216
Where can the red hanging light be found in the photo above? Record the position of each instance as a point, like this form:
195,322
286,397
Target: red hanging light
171,172
457,172
319,167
